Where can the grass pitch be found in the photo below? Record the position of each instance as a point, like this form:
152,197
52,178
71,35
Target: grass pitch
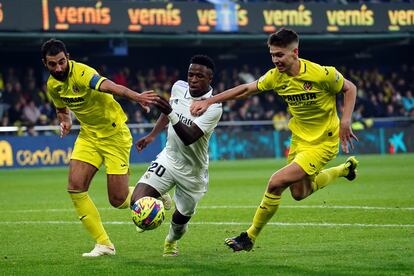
365,227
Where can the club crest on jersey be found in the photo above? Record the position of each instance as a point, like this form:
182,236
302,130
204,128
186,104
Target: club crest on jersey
307,85
75,89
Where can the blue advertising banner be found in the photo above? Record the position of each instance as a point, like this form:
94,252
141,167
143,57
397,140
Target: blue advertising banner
47,151
225,144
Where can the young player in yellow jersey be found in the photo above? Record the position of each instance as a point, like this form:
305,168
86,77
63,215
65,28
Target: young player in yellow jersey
104,137
310,91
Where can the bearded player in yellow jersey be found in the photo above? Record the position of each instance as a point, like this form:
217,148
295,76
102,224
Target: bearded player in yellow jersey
104,137
310,91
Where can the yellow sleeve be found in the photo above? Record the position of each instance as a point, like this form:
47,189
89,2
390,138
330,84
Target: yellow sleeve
57,101
89,78
334,81
265,82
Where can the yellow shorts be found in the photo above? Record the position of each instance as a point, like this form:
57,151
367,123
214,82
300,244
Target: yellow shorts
113,151
313,157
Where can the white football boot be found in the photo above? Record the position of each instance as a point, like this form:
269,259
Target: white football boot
101,250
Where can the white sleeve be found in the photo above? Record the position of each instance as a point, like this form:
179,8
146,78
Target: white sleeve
208,121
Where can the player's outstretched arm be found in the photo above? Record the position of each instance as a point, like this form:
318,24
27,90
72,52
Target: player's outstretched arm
345,132
144,99
160,125
187,134
65,121
239,92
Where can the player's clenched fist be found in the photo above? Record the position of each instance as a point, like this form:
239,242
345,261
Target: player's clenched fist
163,105
65,128
142,143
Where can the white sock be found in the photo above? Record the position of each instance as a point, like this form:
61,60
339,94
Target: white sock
176,231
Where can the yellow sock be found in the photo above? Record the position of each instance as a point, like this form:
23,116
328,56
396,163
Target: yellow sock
264,213
325,177
127,201
89,216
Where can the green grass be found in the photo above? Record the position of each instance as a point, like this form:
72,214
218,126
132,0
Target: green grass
40,235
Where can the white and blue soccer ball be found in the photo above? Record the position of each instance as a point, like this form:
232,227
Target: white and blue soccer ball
148,213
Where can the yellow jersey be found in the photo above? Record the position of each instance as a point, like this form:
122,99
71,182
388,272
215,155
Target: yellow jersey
98,112
311,98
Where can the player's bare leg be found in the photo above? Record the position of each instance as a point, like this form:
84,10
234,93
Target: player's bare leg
118,190
302,188
80,177
142,189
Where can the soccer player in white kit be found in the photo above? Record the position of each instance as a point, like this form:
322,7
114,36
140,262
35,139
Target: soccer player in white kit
183,162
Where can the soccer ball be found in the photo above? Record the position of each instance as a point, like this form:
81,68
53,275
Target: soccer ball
148,213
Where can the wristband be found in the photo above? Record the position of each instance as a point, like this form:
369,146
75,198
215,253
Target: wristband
173,118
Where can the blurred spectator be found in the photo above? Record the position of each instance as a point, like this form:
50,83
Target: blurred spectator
280,121
408,101
47,110
31,112
30,130
15,113
245,76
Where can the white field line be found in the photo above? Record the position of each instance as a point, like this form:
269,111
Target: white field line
370,208
287,224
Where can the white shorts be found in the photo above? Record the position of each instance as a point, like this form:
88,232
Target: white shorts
162,175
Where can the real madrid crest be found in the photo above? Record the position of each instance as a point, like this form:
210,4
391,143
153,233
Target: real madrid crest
75,89
307,85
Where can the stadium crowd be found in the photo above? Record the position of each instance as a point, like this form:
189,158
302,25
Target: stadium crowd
381,93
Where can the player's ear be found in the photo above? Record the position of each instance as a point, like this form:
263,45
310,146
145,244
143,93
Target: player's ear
296,51
210,76
44,62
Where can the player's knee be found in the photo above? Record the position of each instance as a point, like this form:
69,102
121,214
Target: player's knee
297,195
76,185
116,200
276,184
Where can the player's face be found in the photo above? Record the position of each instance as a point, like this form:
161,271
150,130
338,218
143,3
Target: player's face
283,57
199,78
58,66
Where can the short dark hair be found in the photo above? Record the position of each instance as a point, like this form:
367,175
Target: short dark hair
52,47
283,38
203,60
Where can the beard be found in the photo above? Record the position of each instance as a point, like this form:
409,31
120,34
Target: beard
60,76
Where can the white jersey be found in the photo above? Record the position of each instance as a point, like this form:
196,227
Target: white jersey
195,156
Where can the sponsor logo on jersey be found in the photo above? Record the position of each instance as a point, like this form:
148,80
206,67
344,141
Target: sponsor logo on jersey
184,120
71,100
301,99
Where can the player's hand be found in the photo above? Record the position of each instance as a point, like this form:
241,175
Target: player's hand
65,128
142,143
163,105
346,136
146,98
198,108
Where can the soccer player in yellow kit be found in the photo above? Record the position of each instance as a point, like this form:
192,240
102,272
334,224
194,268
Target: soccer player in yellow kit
104,137
310,91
